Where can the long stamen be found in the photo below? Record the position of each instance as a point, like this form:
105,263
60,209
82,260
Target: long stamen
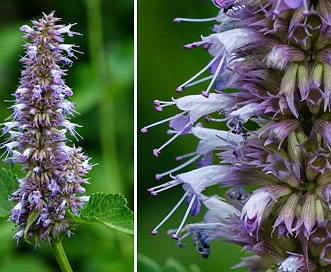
158,105
145,129
175,236
157,151
199,81
159,176
182,87
220,65
179,158
164,186
154,231
178,20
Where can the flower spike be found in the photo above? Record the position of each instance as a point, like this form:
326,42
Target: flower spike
267,125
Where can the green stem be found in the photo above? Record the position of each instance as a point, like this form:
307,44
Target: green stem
61,256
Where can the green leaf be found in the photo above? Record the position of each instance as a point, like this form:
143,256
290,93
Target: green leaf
7,186
33,216
109,210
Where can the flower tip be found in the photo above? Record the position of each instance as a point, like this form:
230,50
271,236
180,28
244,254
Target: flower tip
154,232
144,130
176,20
175,236
158,176
208,118
180,89
205,94
157,105
152,192
158,108
156,152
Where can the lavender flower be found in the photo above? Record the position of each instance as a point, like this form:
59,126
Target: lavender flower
276,54
54,172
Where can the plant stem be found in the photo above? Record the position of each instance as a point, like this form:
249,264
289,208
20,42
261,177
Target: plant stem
61,256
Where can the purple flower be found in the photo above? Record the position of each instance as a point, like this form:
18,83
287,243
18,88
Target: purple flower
270,66
259,206
38,126
193,182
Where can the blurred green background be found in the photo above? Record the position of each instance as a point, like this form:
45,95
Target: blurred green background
102,81
163,65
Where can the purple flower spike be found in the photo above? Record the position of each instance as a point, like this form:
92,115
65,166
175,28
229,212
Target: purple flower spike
54,175
267,103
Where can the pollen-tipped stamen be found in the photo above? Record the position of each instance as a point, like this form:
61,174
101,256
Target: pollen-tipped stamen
154,231
175,236
182,86
159,176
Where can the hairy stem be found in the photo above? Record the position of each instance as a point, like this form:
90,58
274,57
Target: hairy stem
61,256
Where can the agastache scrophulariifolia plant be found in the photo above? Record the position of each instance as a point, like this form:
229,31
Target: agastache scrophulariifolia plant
50,200
277,55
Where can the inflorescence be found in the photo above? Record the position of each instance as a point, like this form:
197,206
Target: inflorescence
54,171
276,54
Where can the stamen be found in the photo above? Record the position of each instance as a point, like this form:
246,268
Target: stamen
275,9
154,231
180,158
145,129
158,105
306,9
220,65
178,20
159,176
199,81
175,236
157,151
208,119
164,186
182,87
193,45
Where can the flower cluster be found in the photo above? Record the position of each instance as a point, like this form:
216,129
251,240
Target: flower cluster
276,54
54,171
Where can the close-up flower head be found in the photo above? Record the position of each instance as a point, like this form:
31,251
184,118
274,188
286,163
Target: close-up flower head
258,172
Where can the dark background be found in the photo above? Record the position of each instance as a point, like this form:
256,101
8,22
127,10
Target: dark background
102,81
163,65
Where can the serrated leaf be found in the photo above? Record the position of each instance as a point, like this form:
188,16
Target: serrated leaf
33,216
109,210
7,186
